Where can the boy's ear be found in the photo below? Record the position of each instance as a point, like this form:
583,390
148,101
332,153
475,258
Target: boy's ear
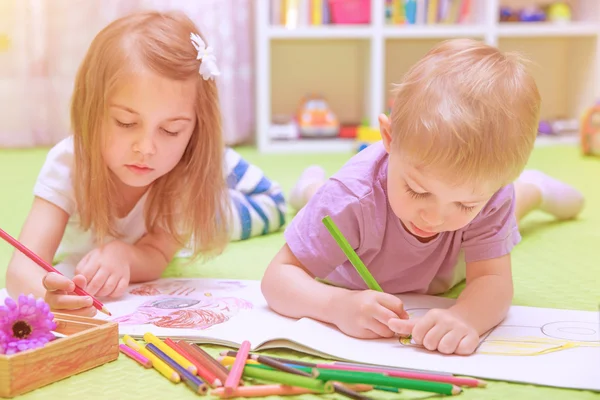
386,134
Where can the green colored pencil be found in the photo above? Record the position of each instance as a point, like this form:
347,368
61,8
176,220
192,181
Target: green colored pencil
308,370
372,378
285,378
351,254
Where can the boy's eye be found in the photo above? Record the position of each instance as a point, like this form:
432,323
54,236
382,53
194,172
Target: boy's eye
466,209
123,124
414,194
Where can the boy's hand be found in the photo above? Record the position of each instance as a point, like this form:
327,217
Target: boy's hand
106,269
60,296
364,314
439,330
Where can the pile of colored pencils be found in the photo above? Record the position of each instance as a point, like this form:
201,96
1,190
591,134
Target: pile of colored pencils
234,373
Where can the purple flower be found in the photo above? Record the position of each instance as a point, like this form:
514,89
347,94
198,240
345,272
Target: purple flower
25,325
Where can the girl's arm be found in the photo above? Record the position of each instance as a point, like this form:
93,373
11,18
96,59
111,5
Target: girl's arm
42,232
152,254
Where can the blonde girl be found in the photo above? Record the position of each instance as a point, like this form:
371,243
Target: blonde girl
145,173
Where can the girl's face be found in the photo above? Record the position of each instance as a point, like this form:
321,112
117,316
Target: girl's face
148,126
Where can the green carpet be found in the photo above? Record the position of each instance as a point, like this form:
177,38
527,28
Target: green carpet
554,266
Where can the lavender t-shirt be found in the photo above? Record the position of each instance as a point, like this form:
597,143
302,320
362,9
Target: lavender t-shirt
356,199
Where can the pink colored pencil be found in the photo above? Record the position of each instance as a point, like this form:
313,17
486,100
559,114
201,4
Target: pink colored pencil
409,375
128,351
235,373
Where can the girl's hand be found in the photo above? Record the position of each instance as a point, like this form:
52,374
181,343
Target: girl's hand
106,269
365,314
60,296
439,330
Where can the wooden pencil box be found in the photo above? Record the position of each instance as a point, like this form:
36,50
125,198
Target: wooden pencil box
88,343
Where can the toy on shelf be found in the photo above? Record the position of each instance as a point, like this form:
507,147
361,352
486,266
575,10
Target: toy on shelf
283,127
527,14
557,126
366,136
590,131
559,12
316,119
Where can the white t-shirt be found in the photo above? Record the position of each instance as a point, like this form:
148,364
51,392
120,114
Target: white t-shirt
55,184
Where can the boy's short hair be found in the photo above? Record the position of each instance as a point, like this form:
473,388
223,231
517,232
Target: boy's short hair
468,111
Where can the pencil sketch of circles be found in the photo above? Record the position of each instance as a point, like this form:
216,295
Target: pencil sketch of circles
573,330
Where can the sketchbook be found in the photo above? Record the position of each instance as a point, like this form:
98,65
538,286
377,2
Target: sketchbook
542,346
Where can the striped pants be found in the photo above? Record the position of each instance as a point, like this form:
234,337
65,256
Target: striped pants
257,203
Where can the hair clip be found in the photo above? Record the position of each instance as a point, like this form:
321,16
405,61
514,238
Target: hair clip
208,66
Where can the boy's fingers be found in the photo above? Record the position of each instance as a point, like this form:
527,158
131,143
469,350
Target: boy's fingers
394,304
403,327
53,281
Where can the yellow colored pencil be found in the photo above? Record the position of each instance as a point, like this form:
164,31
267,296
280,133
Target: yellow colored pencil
157,363
228,361
165,348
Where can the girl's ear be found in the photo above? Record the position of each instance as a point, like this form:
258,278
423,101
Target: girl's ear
384,128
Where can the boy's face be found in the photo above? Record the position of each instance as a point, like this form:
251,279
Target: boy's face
425,203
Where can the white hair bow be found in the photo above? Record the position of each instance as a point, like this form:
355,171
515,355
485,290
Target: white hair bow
208,66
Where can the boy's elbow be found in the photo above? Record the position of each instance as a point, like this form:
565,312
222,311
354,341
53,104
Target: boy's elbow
267,284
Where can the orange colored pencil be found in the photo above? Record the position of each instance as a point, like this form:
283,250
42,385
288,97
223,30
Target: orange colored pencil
261,391
235,373
204,373
276,390
205,359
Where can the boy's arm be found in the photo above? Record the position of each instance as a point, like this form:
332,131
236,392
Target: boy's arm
292,291
488,294
42,232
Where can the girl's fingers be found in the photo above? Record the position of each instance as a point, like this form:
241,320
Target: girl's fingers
60,301
120,289
109,286
97,282
53,281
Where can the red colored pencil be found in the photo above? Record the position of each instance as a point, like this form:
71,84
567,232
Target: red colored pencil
235,373
207,375
39,261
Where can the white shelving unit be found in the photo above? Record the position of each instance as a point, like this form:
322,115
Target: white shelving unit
289,63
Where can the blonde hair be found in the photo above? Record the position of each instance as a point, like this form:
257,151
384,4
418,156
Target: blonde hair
468,111
189,202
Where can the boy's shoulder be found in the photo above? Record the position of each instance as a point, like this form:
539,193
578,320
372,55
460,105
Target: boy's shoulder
364,170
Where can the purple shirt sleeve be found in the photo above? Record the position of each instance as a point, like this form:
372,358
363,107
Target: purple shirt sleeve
494,232
309,239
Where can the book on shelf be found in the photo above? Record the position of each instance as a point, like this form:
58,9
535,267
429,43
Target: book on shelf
301,13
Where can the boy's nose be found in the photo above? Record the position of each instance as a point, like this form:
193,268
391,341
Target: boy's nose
432,218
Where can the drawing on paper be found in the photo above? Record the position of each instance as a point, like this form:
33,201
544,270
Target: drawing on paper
182,287
185,312
517,340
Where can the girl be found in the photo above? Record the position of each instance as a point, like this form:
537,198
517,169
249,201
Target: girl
143,174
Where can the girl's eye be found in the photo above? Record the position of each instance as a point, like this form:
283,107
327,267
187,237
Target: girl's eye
169,132
414,194
124,125
466,209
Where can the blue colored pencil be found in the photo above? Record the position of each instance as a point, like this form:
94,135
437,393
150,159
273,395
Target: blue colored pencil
195,383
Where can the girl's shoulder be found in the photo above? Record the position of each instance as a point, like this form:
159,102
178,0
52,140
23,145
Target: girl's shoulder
55,182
